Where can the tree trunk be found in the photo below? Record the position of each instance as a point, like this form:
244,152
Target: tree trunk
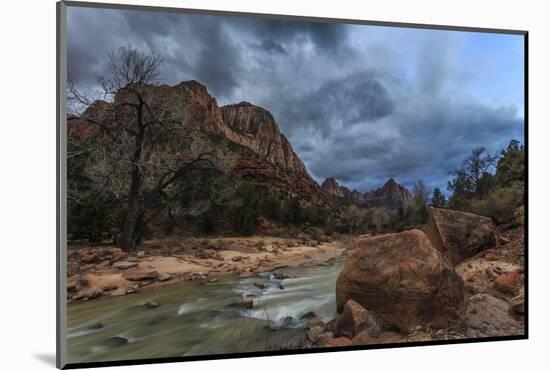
127,236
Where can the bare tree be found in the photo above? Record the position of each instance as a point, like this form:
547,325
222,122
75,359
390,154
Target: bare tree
477,165
137,128
421,196
420,193
379,217
353,217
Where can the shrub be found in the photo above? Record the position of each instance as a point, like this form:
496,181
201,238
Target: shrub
499,204
209,220
89,219
314,216
246,220
316,235
270,207
291,211
246,216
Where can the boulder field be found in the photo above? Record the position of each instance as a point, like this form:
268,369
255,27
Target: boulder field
404,286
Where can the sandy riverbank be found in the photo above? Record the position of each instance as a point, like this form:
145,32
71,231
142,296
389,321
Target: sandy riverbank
104,270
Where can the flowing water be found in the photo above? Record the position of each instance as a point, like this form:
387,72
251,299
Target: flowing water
200,319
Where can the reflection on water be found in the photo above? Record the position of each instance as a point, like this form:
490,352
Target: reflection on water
197,319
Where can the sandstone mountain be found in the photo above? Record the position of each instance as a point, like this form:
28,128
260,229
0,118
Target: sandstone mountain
255,128
258,151
391,195
331,187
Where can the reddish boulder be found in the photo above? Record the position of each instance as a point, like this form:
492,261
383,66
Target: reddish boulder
459,235
138,274
88,257
117,254
507,282
403,280
355,319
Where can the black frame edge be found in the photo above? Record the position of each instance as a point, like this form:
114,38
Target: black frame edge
198,11
151,361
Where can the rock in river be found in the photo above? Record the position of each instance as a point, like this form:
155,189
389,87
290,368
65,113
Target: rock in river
149,304
118,292
93,293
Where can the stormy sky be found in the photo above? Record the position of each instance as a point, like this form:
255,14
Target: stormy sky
357,103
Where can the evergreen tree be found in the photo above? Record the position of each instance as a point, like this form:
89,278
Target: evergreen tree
438,199
511,165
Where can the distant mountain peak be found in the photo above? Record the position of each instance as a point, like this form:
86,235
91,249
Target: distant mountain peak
390,195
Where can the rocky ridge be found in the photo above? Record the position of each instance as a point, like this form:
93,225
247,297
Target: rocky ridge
261,153
390,195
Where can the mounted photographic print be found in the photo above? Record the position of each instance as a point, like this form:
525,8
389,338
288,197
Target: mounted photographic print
236,184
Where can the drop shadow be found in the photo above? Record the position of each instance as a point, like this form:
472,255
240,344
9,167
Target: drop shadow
47,358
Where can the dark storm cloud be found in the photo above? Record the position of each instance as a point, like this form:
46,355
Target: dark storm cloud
360,104
355,99
325,36
205,48
428,146
271,45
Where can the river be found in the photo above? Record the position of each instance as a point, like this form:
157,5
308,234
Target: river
201,319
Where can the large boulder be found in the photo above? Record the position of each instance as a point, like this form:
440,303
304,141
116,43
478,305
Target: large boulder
403,280
459,235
